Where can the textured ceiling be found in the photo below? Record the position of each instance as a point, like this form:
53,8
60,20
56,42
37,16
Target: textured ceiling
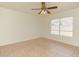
27,6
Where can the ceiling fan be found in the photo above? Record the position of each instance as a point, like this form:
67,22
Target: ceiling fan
44,9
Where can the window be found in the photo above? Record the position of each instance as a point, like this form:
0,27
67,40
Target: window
63,26
55,26
66,26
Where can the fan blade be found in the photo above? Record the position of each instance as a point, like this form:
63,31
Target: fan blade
54,7
39,12
37,9
48,12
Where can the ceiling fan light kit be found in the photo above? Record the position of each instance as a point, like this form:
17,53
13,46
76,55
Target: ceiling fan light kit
43,12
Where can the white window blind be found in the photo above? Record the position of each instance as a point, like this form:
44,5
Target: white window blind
63,26
55,26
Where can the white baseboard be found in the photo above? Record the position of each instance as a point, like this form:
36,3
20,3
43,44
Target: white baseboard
17,41
61,41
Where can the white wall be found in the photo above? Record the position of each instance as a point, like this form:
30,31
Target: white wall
16,26
75,39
